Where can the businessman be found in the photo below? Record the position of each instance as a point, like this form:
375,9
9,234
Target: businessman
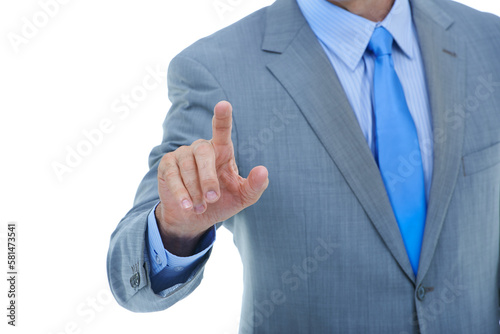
353,152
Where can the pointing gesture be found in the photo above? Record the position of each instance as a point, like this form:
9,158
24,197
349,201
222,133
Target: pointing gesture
199,186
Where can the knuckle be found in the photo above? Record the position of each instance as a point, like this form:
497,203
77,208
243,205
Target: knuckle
197,142
223,126
187,165
248,198
208,171
203,147
192,185
166,158
167,164
210,181
181,151
178,191
171,174
193,190
169,160
204,165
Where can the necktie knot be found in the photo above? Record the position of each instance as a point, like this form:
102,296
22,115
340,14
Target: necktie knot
381,42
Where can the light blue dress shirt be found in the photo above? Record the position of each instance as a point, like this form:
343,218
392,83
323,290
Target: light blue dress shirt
344,37
166,268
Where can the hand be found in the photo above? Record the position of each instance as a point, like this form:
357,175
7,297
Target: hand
199,186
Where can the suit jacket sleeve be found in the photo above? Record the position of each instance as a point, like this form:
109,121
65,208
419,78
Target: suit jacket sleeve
193,91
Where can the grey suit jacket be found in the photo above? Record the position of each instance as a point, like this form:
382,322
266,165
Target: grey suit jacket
321,250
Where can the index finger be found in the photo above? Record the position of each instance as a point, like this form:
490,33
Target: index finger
221,123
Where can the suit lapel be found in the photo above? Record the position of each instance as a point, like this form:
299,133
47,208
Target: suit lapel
444,63
306,73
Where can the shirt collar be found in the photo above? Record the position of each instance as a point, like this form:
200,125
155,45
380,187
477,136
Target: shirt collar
347,35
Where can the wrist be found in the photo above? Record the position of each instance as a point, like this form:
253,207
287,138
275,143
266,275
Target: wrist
176,239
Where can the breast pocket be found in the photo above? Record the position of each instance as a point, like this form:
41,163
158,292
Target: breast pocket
483,160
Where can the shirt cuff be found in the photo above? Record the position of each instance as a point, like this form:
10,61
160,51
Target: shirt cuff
160,258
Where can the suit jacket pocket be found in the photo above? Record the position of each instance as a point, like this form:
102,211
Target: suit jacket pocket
481,160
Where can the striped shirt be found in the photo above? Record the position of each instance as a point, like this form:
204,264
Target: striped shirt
344,37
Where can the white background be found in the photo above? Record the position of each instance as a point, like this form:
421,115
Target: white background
61,80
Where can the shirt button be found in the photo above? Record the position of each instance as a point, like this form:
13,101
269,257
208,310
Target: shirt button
135,280
179,268
421,293
158,260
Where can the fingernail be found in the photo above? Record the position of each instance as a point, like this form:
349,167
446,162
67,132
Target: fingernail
199,208
211,195
186,204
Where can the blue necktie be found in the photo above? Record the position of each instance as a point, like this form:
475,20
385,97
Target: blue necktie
398,151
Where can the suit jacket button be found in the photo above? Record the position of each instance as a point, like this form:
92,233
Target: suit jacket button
421,293
135,280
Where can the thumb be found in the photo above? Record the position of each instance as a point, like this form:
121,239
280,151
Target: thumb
254,185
